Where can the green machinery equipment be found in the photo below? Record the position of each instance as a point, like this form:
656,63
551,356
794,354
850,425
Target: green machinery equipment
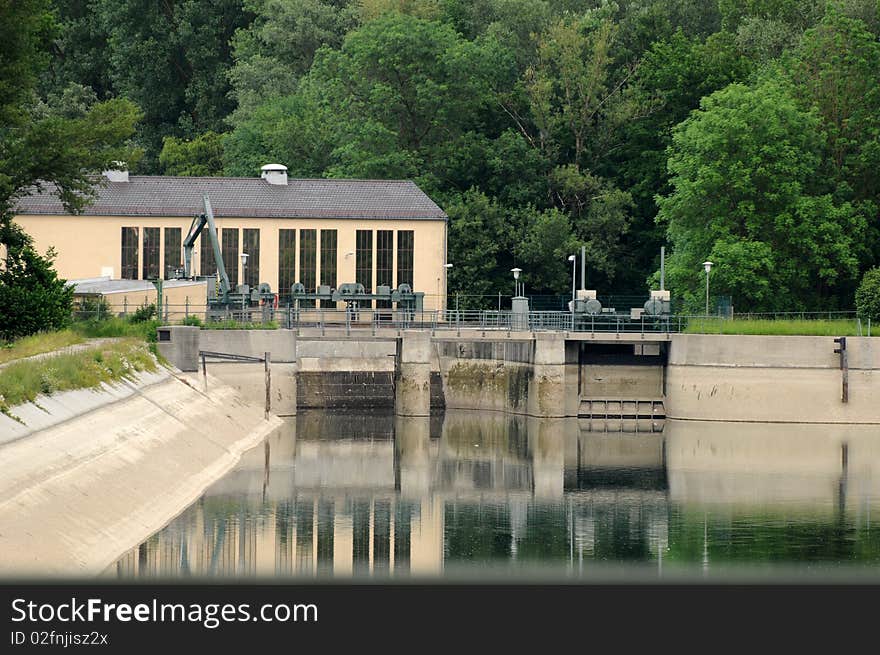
352,294
221,297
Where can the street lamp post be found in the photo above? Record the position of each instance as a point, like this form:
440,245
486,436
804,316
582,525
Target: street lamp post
244,258
573,260
446,268
516,272
707,266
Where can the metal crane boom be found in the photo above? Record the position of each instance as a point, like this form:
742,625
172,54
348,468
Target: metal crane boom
195,229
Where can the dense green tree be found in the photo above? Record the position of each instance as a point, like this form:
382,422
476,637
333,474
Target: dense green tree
868,295
32,297
172,58
555,115
59,144
79,50
837,69
747,196
278,47
482,237
200,156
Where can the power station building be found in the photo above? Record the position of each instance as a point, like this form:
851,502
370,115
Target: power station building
314,231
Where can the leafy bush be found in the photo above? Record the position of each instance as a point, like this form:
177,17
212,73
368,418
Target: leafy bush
92,308
193,321
144,313
868,295
32,298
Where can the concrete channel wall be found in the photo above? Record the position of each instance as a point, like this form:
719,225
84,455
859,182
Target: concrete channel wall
771,378
75,496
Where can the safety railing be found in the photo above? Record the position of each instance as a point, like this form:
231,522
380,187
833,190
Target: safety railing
376,320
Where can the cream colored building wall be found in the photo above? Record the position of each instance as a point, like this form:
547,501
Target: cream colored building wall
89,245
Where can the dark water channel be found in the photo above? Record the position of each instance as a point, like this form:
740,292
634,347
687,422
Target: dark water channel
486,496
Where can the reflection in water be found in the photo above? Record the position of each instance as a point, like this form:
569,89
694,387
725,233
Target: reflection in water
475,494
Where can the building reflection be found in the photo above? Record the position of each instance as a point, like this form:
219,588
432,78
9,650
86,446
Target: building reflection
376,495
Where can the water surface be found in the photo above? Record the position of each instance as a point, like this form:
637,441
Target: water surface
473,496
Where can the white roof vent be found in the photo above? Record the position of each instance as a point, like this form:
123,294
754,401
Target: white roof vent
274,173
118,174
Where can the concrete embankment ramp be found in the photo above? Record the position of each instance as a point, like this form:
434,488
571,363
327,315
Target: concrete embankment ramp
76,495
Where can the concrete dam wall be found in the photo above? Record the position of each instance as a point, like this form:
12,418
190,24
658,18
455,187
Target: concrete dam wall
690,377
772,378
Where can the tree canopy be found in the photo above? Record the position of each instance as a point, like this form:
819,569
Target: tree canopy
747,133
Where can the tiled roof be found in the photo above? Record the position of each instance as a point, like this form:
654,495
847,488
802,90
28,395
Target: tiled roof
245,197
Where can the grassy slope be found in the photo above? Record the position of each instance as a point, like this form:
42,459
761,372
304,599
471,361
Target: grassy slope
38,343
22,382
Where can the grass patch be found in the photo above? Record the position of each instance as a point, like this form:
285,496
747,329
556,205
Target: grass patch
22,382
118,327
37,344
800,327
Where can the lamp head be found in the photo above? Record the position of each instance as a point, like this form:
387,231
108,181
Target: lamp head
244,258
571,258
447,265
516,272
707,266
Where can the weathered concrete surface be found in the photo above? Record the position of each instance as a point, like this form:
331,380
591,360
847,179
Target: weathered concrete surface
253,343
180,344
249,380
553,390
771,378
379,352
536,377
621,381
413,380
348,389
75,496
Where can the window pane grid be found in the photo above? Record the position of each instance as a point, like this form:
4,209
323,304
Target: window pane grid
251,245
129,253
230,255
405,243
384,262
151,253
286,260
308,260
364,262
173,246
207,265
328,262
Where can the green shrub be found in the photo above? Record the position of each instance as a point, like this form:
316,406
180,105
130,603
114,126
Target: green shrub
868,295
92,309
193,321
143,314
32,297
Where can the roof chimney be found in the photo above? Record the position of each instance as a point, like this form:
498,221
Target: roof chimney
274,173
117,174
